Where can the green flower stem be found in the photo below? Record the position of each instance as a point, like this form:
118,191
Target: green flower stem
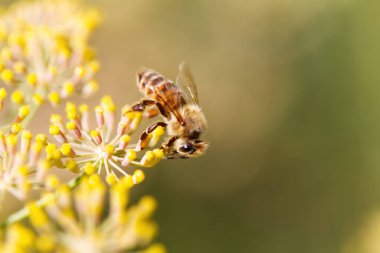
23,213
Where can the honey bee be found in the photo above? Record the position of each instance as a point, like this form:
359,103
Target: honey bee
179,105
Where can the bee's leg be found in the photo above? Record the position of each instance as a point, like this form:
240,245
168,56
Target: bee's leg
168,146
144,140
147,103
151,113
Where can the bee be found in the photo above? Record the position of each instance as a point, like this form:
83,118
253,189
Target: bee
178,103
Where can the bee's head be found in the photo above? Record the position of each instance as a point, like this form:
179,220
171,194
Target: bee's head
186,148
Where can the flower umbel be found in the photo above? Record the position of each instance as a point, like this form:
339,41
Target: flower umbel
65,16
44,53
78,221
106,147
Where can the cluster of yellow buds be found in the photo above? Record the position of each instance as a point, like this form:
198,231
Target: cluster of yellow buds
22,163
12,125
87,219
68,17
43,56
107,146
44,53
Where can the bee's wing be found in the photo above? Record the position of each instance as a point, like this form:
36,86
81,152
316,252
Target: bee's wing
186,82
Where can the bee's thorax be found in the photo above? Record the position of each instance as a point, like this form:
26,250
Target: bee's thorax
194,122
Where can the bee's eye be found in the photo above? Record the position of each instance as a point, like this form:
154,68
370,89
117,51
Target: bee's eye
187,148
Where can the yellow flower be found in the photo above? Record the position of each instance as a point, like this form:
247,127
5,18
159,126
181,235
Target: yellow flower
87,219
43,45
106,146
12,125
22,165
64,16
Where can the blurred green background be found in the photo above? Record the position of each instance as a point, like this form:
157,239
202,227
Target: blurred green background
291,90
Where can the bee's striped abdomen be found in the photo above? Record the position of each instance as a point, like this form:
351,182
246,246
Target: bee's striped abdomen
155,86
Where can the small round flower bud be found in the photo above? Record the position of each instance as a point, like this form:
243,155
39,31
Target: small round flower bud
54,98
138,176
18,97
32,79
7,75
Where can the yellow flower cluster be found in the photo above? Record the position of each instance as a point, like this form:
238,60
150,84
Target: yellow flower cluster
44,56
13,124
44,53
80,221
67,17
105,147
23,166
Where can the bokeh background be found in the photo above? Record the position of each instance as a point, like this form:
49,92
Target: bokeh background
291,90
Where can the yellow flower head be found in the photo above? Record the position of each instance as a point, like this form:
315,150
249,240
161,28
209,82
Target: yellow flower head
106,146
87,219
43,45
